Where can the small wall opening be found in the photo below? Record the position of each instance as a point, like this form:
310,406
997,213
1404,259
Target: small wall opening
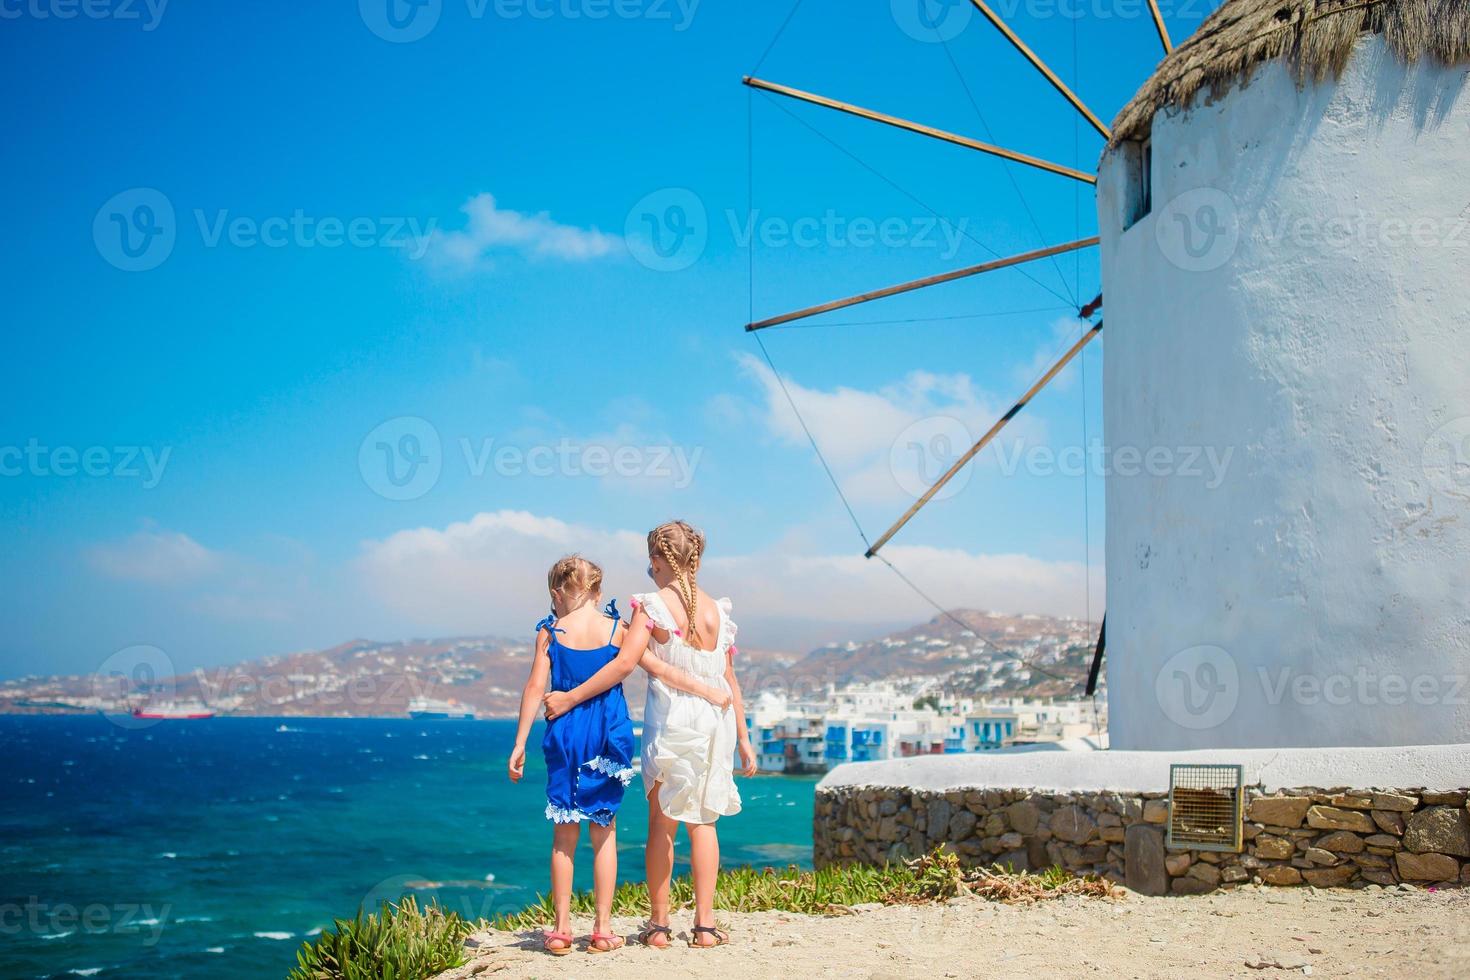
1139,158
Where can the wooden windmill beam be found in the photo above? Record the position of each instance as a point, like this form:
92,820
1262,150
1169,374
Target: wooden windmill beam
921,129
1153,6
1041,66
970,454
904,287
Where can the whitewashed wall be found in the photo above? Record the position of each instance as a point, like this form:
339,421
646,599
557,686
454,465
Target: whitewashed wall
1320,594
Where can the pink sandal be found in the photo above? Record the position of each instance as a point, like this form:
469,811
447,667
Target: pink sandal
548,937
601,937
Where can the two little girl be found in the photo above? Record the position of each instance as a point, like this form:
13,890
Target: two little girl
685,642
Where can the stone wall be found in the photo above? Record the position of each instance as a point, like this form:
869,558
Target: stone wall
1327,838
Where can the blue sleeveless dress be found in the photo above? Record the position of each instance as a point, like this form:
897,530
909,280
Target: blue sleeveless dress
589,750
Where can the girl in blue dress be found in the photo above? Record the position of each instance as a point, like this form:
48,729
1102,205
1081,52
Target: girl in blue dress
589,750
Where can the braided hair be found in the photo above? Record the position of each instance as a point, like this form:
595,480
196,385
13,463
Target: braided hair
573,580
681,545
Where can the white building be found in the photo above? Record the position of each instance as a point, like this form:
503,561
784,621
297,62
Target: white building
1285,277
871,722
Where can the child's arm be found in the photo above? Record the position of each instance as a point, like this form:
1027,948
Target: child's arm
671,676
748,764
635,645
530,700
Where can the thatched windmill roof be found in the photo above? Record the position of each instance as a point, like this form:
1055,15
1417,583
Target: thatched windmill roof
1315,36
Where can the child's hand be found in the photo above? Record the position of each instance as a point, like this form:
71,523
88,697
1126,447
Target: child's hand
517,767
558,703
748,765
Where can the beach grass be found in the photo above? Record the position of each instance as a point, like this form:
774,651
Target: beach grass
832,890
399,942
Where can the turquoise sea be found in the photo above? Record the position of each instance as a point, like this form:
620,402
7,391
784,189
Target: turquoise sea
213,848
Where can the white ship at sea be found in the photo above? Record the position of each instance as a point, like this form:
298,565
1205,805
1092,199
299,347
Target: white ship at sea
431,708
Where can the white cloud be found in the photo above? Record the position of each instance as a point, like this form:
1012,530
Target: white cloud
486,574
491,228
156,557
891,444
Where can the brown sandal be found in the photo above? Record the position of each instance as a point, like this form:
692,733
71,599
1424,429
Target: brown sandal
721,938
604,937
650,930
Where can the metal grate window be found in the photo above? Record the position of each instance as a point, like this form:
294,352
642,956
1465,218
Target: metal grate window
1205,806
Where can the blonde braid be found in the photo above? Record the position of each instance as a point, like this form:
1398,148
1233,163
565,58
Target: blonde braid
664,537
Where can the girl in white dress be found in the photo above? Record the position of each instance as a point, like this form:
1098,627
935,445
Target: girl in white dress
689,742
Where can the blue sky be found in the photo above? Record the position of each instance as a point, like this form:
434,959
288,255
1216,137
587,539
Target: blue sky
194,452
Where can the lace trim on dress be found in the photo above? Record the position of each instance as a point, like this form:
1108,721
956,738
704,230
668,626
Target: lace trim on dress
556,814
728,629
606,766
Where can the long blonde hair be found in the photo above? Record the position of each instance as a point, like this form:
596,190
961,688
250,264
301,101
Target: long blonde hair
572,579
681,544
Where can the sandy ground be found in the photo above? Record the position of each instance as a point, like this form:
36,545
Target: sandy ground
1339,933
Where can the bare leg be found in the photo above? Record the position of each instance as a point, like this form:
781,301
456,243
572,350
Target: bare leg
658,865
563,848
704,859
604,878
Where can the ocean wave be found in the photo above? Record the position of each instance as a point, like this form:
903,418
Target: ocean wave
278,936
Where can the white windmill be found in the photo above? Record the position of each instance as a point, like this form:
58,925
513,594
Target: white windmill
1284,218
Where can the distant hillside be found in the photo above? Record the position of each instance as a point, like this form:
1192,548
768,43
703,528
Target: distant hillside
364,677
992,654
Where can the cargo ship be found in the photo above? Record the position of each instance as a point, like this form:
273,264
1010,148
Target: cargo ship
173,710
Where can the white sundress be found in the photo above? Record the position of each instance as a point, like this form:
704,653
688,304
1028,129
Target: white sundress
688,743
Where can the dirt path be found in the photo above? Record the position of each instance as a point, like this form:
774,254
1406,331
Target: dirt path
1340,933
